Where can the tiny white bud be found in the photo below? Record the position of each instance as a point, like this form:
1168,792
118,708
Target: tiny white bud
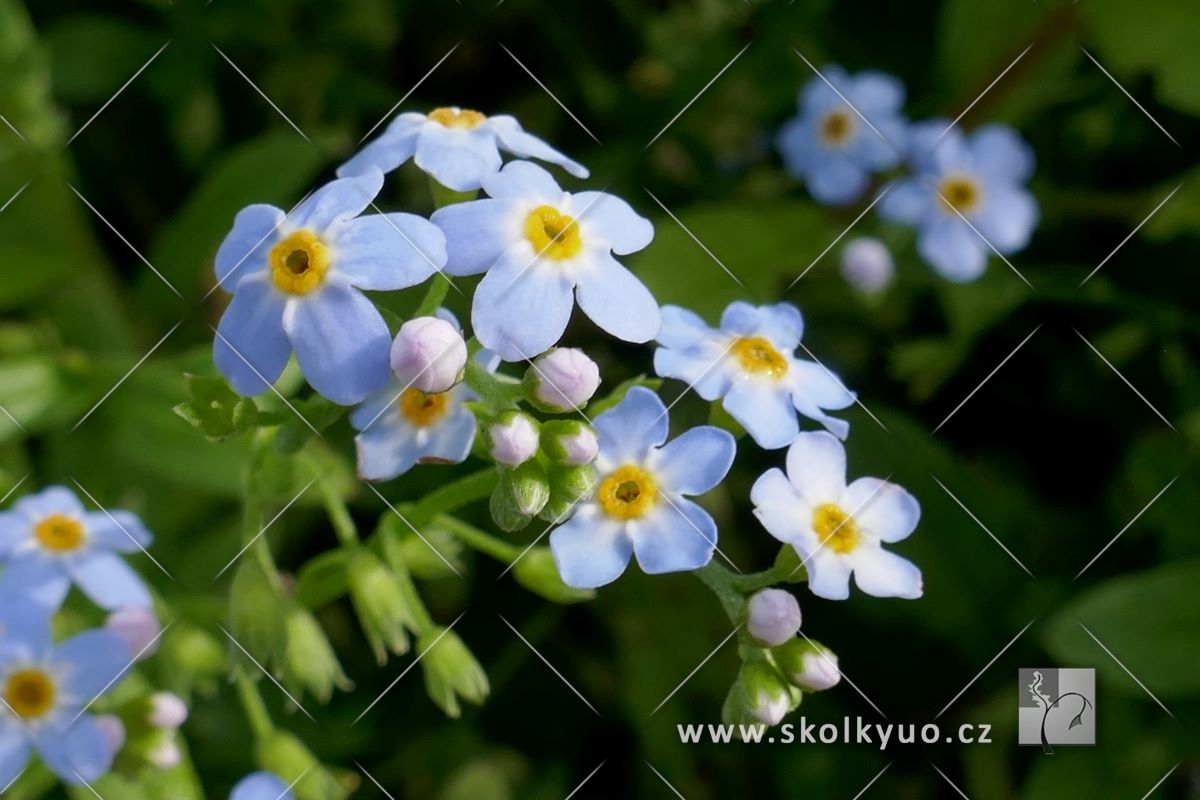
429,353
113,731
773,617
565,379
167,711
580,447
770,709
165,755
819,671
867,265
138,627
514,440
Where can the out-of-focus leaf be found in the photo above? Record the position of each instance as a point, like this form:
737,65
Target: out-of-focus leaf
1156,36
92,55
216,411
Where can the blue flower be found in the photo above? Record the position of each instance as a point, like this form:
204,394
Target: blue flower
640,506
403,426
296,278
49,541
457,147
542,248
45,689
748,363
830,147
978,178
261,786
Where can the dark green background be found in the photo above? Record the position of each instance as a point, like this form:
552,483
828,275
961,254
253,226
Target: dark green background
1055,454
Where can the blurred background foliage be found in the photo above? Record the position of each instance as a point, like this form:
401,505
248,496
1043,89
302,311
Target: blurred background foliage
109,196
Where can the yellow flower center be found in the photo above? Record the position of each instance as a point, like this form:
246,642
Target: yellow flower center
959,193
837,127
59,533
835,528
627,493
299,262
449,118
29,693
759,356
421,409
552,234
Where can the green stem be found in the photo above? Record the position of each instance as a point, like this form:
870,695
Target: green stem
478,539
339,514
721,580
454,495
252,703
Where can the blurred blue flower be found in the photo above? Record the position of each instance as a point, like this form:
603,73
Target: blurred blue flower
542,248
749,364
838,529
958,179
261,786
45,689
402,426
640,506
296,278
828,144
456,147
48,540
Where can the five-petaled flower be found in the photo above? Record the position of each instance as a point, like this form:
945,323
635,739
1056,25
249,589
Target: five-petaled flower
49,541
542,248
457,147
967,196
749,362
46,688
640,506
296,278
838,529
830,146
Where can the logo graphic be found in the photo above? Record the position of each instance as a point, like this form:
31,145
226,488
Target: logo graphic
1056,707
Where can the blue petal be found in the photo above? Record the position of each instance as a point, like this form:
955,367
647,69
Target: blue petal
779,507
244,251
451,439
117,530
617,301
250,348
341,342
391,149
819,385
79,754
765,411
1001,154
882,574
383,252
696,366
683,328
521,143
14,529
1007,218
24,628
613,220
926,137
907,201
41,579
628,430
590,549
336,201
478,232
953,249
677,536
386,449
782,323
261,786
836,180
109,581
883,509
521,180
873,91
92,662
457,158
693,462
797,145
51,500
15,749
521,306
817,96
816,466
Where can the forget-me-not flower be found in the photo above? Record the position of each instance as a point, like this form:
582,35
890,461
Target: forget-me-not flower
830,146
45,689
961,182
49,541
296,281
457,147
640,505
261,786
838,529
543,248
749,364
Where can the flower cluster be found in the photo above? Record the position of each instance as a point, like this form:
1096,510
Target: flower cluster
49,542
963,193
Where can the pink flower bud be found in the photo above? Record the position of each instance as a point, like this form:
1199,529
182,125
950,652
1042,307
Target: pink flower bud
579,447
773,617
867,265
514,439
113,731
565,379
167,710
429,353
165,755
138,627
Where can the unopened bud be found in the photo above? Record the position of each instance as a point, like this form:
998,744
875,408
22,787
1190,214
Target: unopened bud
429,353
256,612
773,616
759,694
528,487
867,265
310,661
165,754
138,627
167,711
809,665
568,486
113,731
563,379
513,439
569,442
451,672
378,600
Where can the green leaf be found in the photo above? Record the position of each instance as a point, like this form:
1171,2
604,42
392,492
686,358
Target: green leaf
1151,620
92,55
216,411
1155,36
